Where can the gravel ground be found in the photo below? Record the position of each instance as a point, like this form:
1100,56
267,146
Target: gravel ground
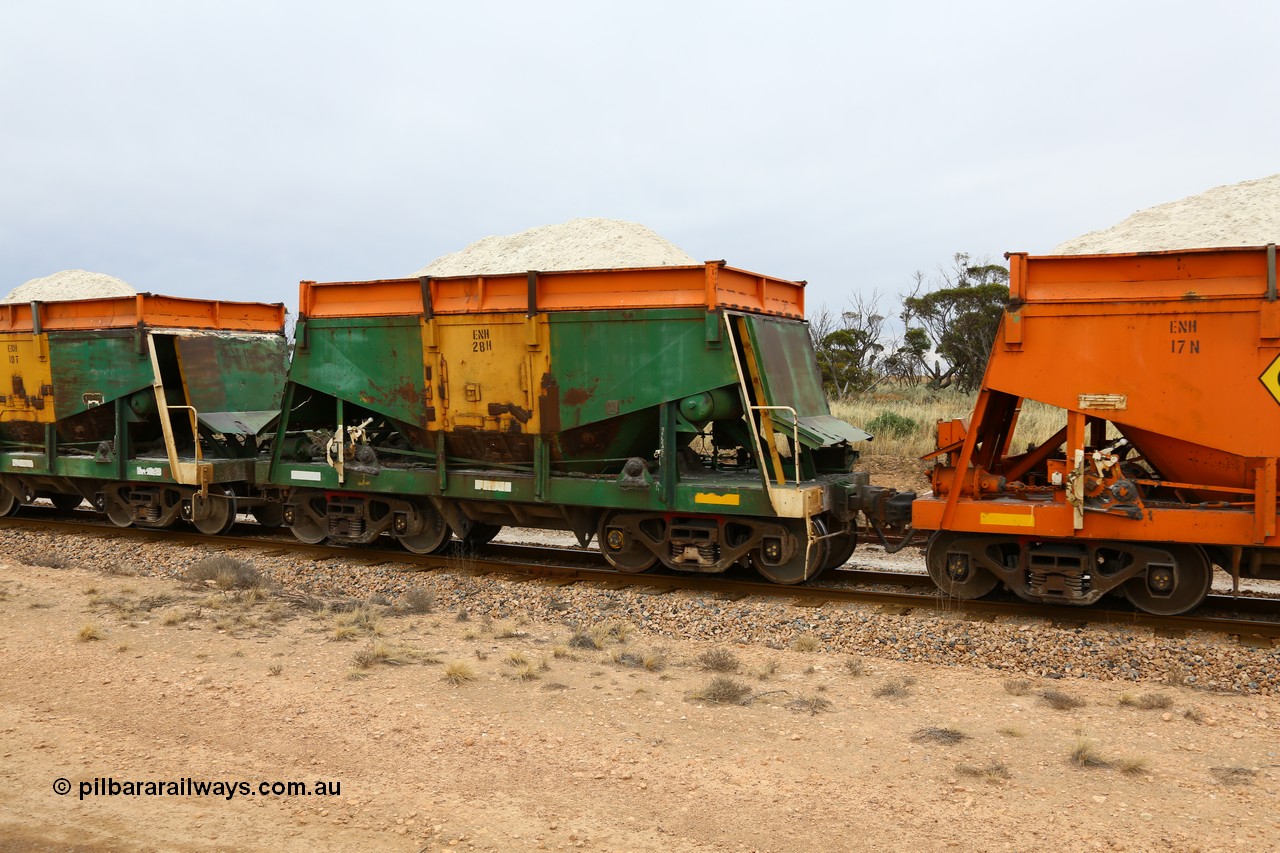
1018,646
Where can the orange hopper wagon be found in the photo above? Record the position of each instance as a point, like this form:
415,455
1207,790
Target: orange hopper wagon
1166,367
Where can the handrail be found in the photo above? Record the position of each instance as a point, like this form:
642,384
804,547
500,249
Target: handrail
795,433
195,430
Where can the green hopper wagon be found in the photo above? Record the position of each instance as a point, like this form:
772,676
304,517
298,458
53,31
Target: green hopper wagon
675,413
147,406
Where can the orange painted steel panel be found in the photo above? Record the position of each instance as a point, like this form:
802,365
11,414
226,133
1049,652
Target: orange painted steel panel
1183,348
710,285
148,309
1208,525
1180,351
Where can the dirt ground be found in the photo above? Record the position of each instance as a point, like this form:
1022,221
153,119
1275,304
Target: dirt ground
558,745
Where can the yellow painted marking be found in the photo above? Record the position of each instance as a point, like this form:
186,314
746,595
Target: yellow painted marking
28,371
719,500
1008,519
486,369
1271,378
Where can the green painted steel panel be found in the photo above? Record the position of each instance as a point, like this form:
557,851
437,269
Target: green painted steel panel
149,469
105,363
375,362
788,366
611,363
233,373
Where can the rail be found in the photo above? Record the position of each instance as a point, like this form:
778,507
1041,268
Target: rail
573,565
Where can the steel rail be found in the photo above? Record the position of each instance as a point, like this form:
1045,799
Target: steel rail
546,563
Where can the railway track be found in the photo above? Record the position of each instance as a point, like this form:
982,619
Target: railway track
1254,620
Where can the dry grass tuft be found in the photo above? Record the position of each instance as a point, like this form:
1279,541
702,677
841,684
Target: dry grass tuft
855,666
654,660
1085,754
226,572
1060,701
1133,765
1017,686
813,704
992,771
381,653
350,625
458,673
586,640
1147,701
275,669
767,670
933,734
722,690
894,688
1194,714
806,643
88,632
1234,775
626,657
417,600
561,652
718,660
919,409
1011,731
525,672
174,617
516,659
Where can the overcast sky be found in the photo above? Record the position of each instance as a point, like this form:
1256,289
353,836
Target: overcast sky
230,149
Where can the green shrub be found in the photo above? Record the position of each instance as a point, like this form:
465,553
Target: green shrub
892,424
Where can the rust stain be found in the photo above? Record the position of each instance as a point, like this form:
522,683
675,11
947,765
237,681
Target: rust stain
576,396
549,404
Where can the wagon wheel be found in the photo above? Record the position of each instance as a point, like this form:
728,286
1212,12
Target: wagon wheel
9,502
480,534
840,549
219,511
770,558
1166,591
956,573
307,530
119,511
65,503
621,549
268,515
434,535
